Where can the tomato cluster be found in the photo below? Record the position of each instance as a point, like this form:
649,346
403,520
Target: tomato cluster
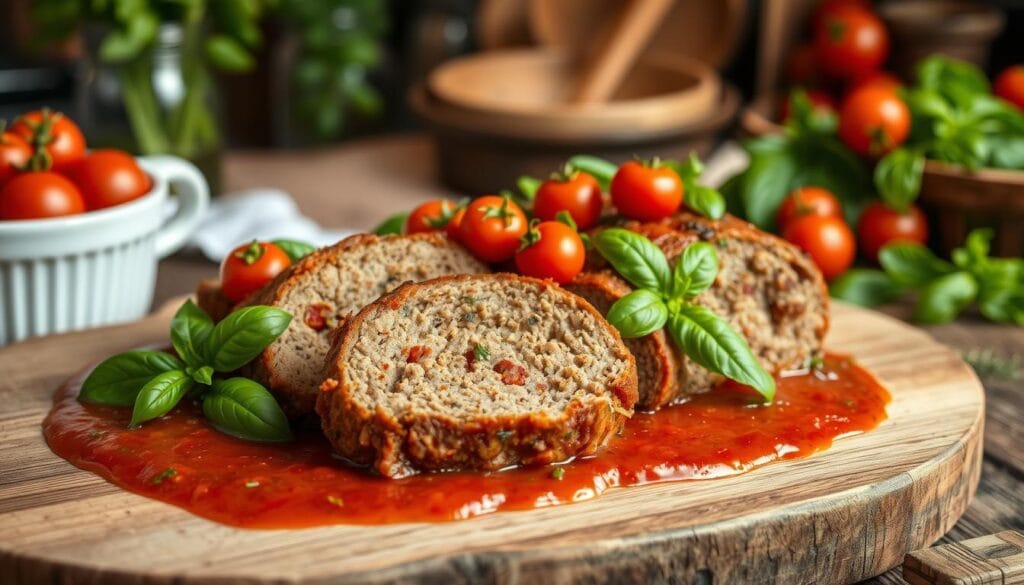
498,230
45,170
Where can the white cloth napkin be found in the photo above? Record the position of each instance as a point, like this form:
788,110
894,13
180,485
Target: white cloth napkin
257,214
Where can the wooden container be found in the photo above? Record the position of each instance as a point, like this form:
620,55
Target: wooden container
474,158
503,113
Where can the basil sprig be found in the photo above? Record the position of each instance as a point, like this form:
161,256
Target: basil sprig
944,288
154,382
664,297
295,249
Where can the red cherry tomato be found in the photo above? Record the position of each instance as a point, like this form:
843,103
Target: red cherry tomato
821,102
432,216
579,195
828,241
14,154
40,195
57,133
453,227
851,43
646,192
491,228
830,7
879,225
109,177
873,121
249,267
554,250
807,201
1010,85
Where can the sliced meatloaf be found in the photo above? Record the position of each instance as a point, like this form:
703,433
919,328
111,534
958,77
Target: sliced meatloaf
475,372
769,291
210,298
332,283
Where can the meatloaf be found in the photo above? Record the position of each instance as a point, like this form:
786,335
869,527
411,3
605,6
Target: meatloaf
475,373
210,298
769,291
327,286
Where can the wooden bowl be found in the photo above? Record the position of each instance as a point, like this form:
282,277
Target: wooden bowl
524,92
956,199
475,157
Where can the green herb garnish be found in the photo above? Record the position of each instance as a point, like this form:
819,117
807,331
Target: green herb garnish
154,382
481,353
558,473
160,477
664,297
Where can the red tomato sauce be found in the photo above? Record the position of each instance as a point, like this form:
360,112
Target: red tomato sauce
182,460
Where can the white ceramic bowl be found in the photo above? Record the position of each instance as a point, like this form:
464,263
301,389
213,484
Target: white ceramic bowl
99,267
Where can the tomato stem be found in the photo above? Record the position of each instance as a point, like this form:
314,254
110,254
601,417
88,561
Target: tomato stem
251,254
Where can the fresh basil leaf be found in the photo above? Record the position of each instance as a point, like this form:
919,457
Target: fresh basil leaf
295,249
639,313
1003,305
393,225
767,181
159,396
865,287
229,54
898,177
975,250
243,334
806,119
711,342
958,81
600,169
203,375
528,186
942,299
688,171
118,379
189,329
912,264
695,270
705,201
635,257
1006,152
245,409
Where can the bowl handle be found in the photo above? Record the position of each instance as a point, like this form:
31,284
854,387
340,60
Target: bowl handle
193,199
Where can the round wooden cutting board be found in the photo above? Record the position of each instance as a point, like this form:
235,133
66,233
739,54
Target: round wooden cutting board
838,516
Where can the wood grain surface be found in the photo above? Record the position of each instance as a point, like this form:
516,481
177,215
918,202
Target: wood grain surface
839,516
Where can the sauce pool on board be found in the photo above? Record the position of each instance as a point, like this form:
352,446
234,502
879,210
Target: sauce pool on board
180,459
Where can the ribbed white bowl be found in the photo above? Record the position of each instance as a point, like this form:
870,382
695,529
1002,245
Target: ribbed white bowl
96,268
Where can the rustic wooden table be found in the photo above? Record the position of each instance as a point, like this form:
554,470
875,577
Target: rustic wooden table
356,186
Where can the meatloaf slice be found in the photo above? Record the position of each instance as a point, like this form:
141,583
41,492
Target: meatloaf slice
769,291
475,372
210,298
332,283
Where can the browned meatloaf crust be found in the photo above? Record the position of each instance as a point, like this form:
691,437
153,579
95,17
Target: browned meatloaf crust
475,373
770,292
332,283
211,299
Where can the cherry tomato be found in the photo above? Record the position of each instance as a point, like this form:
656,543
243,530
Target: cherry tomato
452,229
57,133
40,195
828,240
830,7
1010,85
879,225
491,228
109,177
646,192
579,194
821,102
432,216
14,154
873,120
553,250
808,201
851,43
249,267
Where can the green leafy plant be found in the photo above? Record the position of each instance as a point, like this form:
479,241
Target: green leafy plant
806,153
944,288
154,382
956,120
664,298
221,33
